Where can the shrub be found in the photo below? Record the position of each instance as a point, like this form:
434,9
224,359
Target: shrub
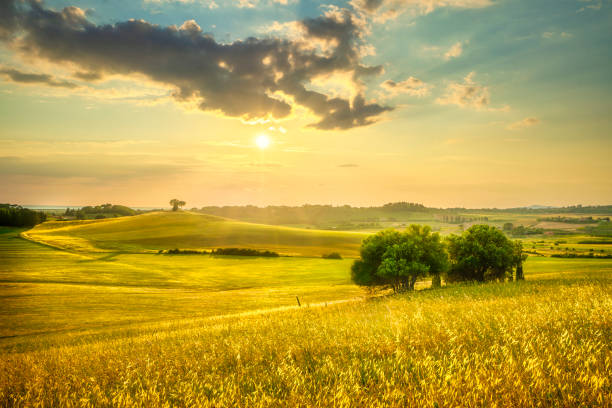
332,255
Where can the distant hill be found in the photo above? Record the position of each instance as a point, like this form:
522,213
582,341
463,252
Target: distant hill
348,217
188,230
537,207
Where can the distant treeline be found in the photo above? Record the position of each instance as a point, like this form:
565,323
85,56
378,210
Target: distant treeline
221,251
12,215
315,214
328,214
182,252
244,252
572,209
589,255
100,211
574,220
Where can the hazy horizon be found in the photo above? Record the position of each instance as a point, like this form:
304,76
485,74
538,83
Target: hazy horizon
188,206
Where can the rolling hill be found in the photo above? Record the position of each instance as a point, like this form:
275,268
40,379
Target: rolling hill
188,230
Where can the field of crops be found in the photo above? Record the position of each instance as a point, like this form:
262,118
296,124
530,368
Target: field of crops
545,343
141,329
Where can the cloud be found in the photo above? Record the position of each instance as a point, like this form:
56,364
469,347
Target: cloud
88,76
468,94
348,165
252,79
593,5
455,51
383,10
525,123
29,78
548,35
411,86
105,168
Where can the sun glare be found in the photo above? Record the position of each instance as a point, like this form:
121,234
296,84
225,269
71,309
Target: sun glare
262,141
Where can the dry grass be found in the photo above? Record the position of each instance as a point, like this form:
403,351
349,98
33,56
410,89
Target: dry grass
539,343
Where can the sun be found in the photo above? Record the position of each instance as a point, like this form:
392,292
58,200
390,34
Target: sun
262,141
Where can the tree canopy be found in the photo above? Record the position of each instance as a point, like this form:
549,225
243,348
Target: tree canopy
176,204
397,259
482,253
13,215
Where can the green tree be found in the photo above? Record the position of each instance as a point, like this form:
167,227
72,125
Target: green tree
482,253
397,259
176,204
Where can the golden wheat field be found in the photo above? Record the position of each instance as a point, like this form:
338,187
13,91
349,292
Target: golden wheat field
535,343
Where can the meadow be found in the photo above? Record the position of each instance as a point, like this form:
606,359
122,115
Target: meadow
91,315
44,290
188,230
533,343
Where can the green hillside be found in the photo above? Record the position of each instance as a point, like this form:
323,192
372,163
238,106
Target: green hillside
188,230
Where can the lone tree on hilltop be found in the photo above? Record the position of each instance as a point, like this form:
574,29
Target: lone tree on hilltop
397,259
482,253
176,204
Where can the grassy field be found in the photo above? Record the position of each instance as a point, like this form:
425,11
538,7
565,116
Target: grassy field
536,343
187,230
110,324
44,290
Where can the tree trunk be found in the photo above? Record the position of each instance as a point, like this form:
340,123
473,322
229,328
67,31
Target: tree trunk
519,272
412,282
436,281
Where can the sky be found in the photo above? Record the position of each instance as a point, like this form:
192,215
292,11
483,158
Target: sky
449,103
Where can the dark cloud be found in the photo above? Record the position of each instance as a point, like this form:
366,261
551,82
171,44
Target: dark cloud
371,5
8,18
251,79
88,76
27,78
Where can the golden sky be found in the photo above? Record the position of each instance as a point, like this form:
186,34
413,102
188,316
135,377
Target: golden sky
470,103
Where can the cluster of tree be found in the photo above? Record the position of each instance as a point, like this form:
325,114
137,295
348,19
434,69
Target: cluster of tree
244,252
177,251
100,211
521,230
221,251
575,220
574,255
397,259
332,255
12,215
404,206
483,253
